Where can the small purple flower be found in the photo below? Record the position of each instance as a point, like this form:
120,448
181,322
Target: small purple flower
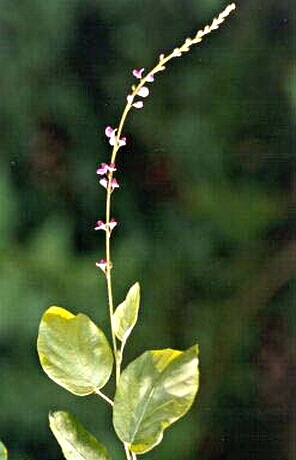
121,141
111,133
138,104
112,167
104,182
150,77
143,92
112,224
138,73
104,168
102,264
114,184
100,225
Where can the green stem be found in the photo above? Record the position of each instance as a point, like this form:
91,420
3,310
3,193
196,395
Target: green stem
109,277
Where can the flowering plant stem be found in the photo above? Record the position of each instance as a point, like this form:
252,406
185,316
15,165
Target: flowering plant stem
116,140
156,388
177,52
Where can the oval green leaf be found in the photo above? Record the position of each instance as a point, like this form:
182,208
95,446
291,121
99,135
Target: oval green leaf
3,452
75,441
126,314
73,351
154,391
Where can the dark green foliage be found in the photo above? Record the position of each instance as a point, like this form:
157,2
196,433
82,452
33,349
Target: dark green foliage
207,212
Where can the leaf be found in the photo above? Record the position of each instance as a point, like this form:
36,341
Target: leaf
126,314
75,441
154,391
73,351
3,452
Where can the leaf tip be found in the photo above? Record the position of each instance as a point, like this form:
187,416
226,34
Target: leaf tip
58,311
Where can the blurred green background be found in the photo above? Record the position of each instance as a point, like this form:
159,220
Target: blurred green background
206,210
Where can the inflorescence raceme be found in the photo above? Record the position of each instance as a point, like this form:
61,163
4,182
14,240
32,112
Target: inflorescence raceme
151,372
135,100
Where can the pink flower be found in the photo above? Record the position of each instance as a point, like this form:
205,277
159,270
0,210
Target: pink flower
104,168
114,184
111,133
102,264
100,225
104,183
138,104
138,73
143,92
112,167
121,141
150,77
112,224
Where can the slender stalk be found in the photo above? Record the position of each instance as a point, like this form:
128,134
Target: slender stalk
109,277
127,452
177,52
109,401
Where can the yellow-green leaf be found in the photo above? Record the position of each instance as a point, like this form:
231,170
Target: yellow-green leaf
73,351
154,391
75,441
126,314
3,452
